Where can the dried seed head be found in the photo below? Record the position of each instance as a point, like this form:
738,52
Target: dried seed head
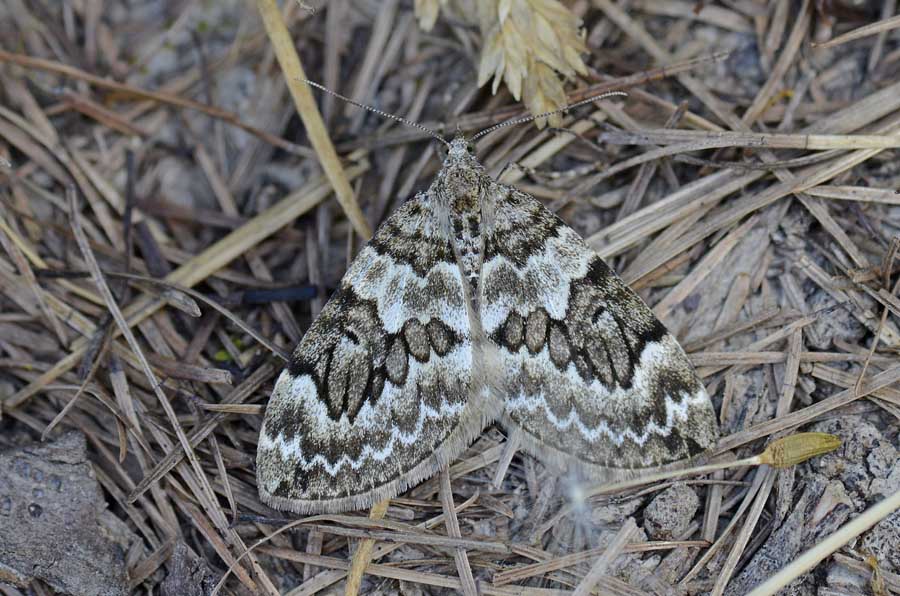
797,448
527,44
427,12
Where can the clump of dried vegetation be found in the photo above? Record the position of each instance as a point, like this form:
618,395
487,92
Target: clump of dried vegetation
526,44
168,232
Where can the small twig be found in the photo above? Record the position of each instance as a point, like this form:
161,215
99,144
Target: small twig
509,451
459,554
363,555
277,351
600,566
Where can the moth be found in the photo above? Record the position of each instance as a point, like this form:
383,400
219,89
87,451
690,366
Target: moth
474,304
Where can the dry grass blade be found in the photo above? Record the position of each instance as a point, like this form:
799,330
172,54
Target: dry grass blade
787,451
861,32
125,329
713,139
856,193
743,535
830,544
178,288
601,564
411,537
510,447
198,268
240,393
416,577
239,409
127,90
363,554
710,261
879,381
250,549
459,554
7,239
309,113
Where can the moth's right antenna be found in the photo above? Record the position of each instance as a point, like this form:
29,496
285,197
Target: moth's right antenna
545,114
400,119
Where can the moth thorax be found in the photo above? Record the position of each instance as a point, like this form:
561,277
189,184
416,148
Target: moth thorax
462,185
465,221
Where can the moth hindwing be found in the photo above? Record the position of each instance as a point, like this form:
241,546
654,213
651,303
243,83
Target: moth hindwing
473,303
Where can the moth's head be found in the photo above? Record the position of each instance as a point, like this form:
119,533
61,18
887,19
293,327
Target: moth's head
461,178
460,151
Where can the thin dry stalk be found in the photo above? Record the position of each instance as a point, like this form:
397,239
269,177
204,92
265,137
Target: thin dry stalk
602,563
296,78
823,548
198,268
459,554
363,554
876,28
125,329
70,71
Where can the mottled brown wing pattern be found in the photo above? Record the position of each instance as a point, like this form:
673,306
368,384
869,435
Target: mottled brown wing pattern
587,374
474,302
378,394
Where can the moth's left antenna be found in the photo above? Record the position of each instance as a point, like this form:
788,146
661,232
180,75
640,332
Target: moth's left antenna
400,119
545,114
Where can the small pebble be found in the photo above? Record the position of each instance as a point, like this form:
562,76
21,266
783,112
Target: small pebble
670,513
35,510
